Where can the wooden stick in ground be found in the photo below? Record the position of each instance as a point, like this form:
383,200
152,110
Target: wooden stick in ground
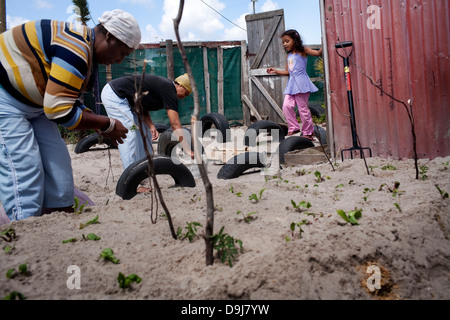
151,169
197,148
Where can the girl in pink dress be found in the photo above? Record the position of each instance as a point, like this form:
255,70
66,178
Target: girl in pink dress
299,85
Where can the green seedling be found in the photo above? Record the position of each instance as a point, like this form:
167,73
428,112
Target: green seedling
7,249
76,206
247,217
372,167
351,216
92,221
446,165
217,208
423,171
195,198
397,206
255,197
300,205
319,177
237,193
226,246
23,270
191,232
15,296
108,255
301,172
124,282
366,192
293,234
91,236
70,240
388,167
8,235
444,194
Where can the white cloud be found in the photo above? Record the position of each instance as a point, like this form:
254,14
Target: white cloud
269,5
198,20
42,4
11,22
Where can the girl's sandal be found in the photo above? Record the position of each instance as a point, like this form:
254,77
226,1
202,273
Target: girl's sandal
292,133
309,137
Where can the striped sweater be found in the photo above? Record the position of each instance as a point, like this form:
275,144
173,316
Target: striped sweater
47,64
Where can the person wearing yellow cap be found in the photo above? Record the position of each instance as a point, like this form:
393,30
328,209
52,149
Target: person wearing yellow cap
44,67
159,93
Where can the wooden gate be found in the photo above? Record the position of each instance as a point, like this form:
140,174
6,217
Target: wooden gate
263,94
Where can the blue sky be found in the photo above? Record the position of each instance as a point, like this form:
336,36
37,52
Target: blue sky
203,20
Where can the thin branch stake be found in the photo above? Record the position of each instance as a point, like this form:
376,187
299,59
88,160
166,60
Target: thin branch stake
151,169
197,148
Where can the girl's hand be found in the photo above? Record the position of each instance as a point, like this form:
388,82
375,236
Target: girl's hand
271,71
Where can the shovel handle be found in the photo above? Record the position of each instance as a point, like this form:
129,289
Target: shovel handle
344,44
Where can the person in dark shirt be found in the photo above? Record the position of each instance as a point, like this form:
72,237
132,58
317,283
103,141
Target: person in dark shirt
158,93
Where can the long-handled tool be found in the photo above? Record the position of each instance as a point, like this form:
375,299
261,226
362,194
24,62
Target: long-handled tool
356,146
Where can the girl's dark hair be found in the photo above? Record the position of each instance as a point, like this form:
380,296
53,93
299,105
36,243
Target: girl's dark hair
298,42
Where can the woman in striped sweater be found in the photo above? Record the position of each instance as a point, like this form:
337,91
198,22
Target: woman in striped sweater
44,67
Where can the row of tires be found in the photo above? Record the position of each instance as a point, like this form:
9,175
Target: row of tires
182,176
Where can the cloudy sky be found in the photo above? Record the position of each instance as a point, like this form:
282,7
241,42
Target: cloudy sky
203,20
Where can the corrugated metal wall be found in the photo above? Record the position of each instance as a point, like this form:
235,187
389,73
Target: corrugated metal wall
403,46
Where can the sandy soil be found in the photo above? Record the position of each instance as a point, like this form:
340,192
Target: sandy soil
399,250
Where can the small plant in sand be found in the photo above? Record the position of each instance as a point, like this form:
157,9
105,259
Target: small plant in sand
351,216
227,247
23,270
15,296
366,192
388,167
301,205
108,255
422,171
125,282
191,231
195,198
239,194
247,217
293,233
446,165
319,177
8,235
77,208
255,197
92,221
443,194
90,236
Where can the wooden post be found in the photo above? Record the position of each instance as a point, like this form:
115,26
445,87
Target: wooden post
244,83
206,76
169,59
220,80
2,16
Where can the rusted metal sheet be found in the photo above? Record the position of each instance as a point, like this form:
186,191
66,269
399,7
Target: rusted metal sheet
400,54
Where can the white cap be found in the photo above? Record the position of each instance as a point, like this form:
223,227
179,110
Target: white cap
123,26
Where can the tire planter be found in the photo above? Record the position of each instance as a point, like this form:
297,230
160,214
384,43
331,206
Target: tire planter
320,134
316,110
87,142
291,144
138,171
254,129
166,144
219,121
161,127
240,163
